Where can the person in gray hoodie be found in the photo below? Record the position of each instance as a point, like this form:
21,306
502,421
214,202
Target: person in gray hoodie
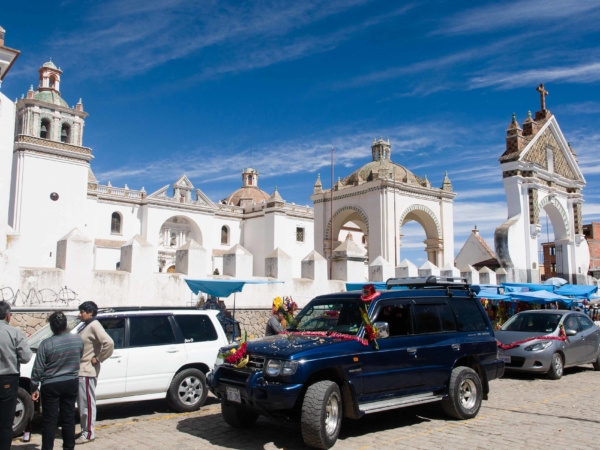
14,350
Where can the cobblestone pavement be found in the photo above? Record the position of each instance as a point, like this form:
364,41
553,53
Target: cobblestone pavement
523,412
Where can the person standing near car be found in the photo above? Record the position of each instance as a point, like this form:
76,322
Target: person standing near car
97,347
14,350
274,322
56,368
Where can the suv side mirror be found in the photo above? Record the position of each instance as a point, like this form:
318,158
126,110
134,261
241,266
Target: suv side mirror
383,329
571,332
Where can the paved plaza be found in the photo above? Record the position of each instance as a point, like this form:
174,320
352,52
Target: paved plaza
523,412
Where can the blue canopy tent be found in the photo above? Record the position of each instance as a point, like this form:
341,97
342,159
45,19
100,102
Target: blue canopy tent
492,294
223,288
379,286
541,297
577,290
527,287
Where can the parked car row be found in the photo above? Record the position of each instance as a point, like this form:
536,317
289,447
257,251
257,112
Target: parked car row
433,342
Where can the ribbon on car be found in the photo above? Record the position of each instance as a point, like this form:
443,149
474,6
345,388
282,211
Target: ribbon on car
562,336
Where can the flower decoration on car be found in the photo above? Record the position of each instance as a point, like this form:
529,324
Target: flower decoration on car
562,336
237,357
370,329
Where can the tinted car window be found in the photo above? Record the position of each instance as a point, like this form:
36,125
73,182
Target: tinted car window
196,327
571,323
398,318
446,317
427,318
584,322
150,330
532,322
115,328
468,315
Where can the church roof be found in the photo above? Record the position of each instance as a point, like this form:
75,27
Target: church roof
371,171
50,97
246,193
50,65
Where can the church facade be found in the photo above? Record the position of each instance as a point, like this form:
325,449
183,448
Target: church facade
54,190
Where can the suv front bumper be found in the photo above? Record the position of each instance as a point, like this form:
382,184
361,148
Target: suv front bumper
254,391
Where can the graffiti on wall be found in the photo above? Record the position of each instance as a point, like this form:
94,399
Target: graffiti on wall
36,297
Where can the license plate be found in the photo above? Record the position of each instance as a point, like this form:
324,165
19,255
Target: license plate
504,358
233,395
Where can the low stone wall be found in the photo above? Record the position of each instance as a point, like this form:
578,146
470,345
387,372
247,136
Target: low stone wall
29,322
253,321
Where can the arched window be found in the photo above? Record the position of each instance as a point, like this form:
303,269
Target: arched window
45,129
65,134
249,180
115,223
224,235
52,82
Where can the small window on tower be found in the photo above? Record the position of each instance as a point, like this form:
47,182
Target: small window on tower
65,134
52,82
249,180
299,234
45,129
115,223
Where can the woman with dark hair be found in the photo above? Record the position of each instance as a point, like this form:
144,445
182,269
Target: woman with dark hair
56,367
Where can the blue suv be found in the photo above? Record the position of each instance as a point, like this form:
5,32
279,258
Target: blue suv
422,340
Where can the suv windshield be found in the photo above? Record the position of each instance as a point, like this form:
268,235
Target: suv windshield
45,332
532,322
342,316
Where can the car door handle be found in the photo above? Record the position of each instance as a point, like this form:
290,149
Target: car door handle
455,346
172,351
411,350
115,357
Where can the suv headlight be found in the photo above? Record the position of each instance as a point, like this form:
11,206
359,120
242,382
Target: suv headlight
277,367
538,346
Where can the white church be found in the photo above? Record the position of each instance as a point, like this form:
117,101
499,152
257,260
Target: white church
64,228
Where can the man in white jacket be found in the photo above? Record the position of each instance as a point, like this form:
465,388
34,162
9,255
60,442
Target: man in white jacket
97,347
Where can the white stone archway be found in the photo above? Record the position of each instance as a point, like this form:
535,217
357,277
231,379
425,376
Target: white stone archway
540,172
428,220
174,232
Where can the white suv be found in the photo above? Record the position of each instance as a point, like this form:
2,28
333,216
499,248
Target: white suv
159,353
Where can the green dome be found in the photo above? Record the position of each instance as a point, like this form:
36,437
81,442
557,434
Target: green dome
50,65
50,97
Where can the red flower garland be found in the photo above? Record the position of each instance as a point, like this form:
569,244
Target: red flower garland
238,355
561,337
335,335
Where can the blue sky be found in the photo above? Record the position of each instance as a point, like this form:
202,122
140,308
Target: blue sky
206,88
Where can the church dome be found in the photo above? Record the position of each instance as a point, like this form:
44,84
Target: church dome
246,196
50,65
372,170
50,97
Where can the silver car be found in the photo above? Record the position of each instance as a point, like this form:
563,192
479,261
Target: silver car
547,356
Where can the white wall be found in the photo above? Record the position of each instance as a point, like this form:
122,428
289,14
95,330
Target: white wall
106,258
41,221
7,127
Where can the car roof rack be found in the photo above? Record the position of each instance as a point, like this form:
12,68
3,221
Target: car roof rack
146,308
428,282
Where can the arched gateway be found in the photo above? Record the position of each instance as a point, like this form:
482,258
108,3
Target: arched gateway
540,172
376,201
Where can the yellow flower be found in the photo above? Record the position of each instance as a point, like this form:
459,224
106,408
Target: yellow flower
232,351
277,302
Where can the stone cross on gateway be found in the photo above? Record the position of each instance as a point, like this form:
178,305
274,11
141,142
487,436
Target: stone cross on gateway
543,94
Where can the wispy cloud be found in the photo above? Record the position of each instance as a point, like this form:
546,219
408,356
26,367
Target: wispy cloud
580,108
581,73
503,16
215,37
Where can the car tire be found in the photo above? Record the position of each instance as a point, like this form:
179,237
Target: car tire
23,413
237,417
557,367
187,391
321,417
465,394
596,363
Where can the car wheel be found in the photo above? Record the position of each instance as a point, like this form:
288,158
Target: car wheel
556,367
464,394
237,417
321,418
596,363
23,413
187,391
